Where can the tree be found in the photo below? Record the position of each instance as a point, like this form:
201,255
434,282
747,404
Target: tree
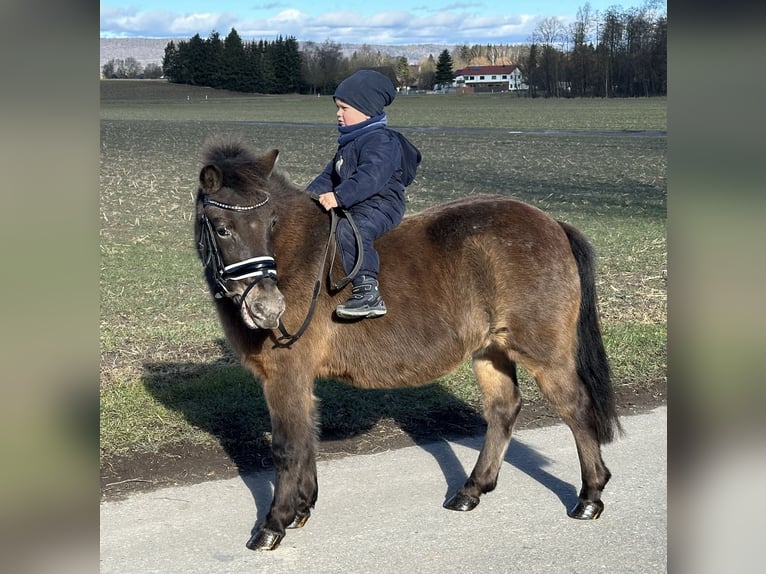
170,66
533,71
427,74
444,76
581,62
659,57
213,69
191,55
367,58
233,67
609,44
286,61
152,71
403,73
107,70
324,64
548,33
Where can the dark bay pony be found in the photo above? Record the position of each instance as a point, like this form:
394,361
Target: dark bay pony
486,277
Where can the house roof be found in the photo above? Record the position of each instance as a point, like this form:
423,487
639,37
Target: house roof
478,70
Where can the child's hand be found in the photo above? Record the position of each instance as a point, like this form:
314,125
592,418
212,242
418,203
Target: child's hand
328,201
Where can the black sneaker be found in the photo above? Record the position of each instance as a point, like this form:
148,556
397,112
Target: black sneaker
365,301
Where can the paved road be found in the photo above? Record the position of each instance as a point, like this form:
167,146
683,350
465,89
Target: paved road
382,514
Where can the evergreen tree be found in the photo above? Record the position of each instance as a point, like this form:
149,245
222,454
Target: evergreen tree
170,62
251,76
192,57
286,63
233,63
444,76
533,72
294,65
212,71
267,75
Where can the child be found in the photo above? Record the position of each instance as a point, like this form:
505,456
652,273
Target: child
366,178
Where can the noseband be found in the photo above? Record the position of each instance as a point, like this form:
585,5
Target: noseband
257,268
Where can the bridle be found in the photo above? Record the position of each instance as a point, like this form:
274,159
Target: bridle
265,266
259,268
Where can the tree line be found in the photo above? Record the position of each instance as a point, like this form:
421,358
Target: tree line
616,53
232,64
130,68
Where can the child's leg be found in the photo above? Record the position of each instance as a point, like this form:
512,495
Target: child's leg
365,300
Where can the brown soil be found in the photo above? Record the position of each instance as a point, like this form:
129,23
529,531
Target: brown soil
121,476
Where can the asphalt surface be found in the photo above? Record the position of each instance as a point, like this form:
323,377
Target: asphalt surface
383,513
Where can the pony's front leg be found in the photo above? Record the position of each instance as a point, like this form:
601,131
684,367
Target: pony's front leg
293,428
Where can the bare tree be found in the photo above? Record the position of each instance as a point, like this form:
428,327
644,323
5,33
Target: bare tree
582,58
323,66
549,33
427,73
366,57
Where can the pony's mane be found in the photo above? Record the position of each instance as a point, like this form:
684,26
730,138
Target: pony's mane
240,167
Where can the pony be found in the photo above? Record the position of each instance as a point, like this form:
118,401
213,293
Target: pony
489,278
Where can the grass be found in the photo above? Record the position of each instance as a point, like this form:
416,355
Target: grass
167,375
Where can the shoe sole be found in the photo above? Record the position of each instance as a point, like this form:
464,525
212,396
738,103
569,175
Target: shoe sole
359,314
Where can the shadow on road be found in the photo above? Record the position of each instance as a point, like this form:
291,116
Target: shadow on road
224,400
519,455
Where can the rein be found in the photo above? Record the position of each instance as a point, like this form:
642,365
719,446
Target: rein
262,267
286,337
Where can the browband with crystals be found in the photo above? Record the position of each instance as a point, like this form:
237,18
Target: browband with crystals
233,207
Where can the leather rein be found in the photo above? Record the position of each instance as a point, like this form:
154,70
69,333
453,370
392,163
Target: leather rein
259,268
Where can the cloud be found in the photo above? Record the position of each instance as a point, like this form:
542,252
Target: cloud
162,23
289,16
384,27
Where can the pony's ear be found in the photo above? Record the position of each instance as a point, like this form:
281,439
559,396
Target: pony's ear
267,161
211,178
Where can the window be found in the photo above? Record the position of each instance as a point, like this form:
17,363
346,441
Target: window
494,77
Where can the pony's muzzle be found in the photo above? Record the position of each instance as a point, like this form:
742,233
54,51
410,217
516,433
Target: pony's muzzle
263,305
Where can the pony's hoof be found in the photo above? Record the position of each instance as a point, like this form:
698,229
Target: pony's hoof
587,510
462,502
300,521
264,540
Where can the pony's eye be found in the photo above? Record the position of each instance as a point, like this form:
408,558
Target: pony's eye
223,231
273,223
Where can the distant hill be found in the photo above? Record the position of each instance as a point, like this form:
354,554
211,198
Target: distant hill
151,50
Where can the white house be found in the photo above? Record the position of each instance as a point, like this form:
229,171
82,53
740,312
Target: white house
490,78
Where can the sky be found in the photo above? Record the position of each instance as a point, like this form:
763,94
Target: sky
392,22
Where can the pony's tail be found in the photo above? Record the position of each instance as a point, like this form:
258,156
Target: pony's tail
592,364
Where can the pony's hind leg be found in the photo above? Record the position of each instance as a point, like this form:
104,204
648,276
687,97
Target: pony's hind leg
496,376
571,400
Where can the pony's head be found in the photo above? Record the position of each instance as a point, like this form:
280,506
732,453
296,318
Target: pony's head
233,229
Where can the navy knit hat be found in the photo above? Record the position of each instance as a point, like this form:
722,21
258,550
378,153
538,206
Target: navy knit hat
367,90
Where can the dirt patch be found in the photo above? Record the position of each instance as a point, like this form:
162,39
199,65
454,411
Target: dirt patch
124,475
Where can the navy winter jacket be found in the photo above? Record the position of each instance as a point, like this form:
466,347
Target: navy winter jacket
366,172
